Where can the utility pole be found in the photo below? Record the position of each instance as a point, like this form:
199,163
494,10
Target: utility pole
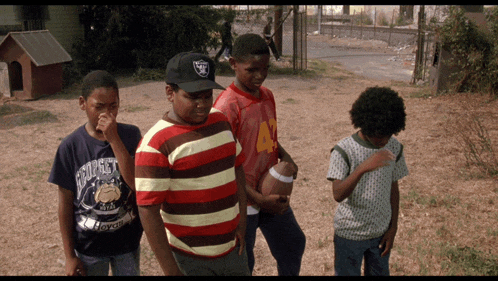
294,36
419,58
278,27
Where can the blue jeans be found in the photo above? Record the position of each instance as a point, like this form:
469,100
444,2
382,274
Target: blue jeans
350,253
121,265
285,239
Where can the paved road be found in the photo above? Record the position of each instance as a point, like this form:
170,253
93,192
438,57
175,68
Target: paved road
374,65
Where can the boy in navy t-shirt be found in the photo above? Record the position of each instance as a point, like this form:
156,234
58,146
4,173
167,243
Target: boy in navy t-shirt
94,170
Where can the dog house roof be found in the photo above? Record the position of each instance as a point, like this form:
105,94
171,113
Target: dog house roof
40,46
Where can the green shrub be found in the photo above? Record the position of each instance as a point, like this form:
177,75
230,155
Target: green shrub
473,51
147,74
362,19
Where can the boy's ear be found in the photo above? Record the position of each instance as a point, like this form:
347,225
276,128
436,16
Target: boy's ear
232,62
82,103
170,94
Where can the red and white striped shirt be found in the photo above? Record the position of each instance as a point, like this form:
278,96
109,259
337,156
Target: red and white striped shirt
190,171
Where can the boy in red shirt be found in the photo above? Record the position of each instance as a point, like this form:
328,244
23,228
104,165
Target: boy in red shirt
251,111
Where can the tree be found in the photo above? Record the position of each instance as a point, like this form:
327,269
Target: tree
131,36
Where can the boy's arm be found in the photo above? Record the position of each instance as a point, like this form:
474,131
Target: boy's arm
74,266
108,125
387,241
240,177
284,156
156,235
343,188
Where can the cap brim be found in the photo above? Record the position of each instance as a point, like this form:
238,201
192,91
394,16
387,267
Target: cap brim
200,85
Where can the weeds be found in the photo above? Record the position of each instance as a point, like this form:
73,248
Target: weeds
468,261
136,108
26,118
7,109
290,101
473,137
323,243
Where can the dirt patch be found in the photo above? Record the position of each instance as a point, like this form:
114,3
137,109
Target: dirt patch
444,207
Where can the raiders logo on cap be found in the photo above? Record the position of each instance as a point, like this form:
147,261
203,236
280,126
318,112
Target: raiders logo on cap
202,68
192,72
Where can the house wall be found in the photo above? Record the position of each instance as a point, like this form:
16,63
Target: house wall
7,15
63,23
65,26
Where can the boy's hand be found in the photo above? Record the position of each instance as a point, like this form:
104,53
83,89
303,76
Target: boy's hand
288,159
387,241
75,267
378,160
108,126
275,204
240,233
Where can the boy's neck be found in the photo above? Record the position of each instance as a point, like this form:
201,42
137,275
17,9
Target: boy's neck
254,93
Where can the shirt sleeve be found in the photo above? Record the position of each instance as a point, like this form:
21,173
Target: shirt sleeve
338,167
400,170
152,175
62,173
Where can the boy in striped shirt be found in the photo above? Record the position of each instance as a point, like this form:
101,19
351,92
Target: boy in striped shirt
189,178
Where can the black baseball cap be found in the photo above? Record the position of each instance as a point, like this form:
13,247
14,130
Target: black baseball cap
192,72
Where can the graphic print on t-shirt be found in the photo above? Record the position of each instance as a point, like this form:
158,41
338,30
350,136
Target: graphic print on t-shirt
102,197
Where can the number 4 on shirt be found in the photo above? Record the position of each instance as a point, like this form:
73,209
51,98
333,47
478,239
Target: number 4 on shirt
265,138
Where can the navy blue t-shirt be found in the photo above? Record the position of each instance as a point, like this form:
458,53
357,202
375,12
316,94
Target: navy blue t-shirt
105,210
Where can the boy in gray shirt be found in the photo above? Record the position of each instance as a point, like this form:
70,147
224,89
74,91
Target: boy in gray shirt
365,169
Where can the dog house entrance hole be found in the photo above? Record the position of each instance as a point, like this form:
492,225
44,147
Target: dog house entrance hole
16,76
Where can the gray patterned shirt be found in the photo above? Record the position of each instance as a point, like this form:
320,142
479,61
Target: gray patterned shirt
366,213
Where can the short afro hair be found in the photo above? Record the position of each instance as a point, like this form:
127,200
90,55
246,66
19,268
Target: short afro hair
247,45
97,79
379,111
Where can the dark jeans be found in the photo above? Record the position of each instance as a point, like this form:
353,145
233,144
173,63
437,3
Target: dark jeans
285,239
229,265
349,255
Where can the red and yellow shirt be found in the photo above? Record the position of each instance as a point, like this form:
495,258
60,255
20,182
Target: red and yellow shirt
254,123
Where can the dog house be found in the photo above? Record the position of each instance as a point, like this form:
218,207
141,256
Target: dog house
34,64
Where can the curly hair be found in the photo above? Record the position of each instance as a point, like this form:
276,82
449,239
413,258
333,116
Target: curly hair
379,111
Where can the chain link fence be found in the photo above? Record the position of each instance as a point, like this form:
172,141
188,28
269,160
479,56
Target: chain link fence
294,31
